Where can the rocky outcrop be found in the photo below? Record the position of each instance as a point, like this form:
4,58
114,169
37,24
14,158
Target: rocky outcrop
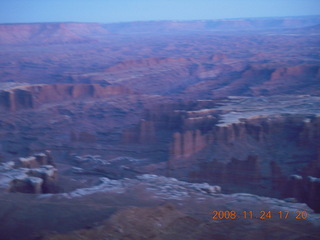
235,172
34,180
301,130
243,171
304,189
32,96
36,160
310,131
48,174
15,100
241,139
27,185
188,143
36,174
297,77
268,174
207,143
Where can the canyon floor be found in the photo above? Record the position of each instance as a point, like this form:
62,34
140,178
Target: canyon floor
160,130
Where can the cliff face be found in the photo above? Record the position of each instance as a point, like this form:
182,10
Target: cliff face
297,78
204,143
16,99
281,146
264,132
188,143
32,96
159,126
194,132
303,189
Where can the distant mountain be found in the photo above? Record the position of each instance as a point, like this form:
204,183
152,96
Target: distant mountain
49,33
57,33
214,25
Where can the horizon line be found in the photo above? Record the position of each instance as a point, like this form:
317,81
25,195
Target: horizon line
162,20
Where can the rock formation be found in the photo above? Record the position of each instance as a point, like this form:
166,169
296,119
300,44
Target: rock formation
188,143
36,161
304,189
36,174
32,96
206,140
16,99
27,185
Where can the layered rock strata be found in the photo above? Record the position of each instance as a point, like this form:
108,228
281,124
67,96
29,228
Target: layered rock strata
303,189
35,174
245,143
33,96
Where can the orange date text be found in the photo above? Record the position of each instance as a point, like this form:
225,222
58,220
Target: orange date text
263,215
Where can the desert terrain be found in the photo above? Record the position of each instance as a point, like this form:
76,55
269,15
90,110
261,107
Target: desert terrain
142,130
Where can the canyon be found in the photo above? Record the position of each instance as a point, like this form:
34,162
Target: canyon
167,119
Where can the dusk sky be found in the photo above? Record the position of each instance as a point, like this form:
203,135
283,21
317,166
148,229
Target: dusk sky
20,11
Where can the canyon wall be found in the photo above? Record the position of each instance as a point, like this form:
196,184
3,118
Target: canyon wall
275,148
186,144
32,96
257,153
303,131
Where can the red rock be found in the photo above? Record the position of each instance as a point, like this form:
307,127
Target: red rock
32,96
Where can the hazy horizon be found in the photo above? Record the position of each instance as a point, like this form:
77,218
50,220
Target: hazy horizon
104,11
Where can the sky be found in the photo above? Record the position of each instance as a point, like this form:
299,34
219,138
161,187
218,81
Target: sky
107,11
